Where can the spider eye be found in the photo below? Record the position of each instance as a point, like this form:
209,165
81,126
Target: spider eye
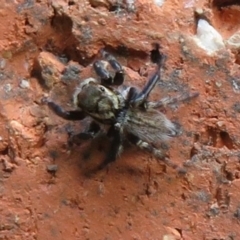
102,89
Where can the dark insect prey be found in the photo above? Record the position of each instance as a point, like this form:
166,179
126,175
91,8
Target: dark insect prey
125,111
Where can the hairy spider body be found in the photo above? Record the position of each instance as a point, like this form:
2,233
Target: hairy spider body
98,101
126,111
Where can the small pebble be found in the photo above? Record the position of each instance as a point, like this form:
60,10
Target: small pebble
218,84
7,87
102,21
234,40
199,11
52,168
159,3
24,84
2,63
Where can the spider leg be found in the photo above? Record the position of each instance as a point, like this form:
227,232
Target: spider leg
106,78
141,97
115,148
132,93
171,100
158,58
156,152
67,115
101,71
92,131
116,66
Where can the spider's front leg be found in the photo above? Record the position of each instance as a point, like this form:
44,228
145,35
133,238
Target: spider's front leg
73,115
156,152
106,78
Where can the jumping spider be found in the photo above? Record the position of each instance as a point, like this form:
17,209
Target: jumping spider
126,112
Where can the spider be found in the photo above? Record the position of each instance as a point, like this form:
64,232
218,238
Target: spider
125,112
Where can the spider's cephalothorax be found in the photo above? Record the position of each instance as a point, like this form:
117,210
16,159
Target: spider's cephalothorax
98,101
126,111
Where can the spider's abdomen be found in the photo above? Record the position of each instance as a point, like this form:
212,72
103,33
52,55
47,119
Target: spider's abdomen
151,126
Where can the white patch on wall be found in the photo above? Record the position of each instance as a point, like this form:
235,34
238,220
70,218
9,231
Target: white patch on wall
159,2
208,38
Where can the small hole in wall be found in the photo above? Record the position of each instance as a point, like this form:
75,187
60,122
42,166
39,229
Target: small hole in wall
114,8
237,58
226,140
193,152
212,134
70,3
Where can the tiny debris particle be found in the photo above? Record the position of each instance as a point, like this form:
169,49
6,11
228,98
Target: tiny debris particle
7,165
7,87
236,107
7,54
181,40
220,124
102,21
218,84
237,213
199,11
101,189
52,168
169,237
185,49
24,84
71,72
173,233
130,5
214,210
2,63
234,41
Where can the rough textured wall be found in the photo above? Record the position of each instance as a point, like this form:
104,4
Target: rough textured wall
46,191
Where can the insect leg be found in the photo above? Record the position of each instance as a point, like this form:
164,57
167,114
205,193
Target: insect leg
67,115
115,149
156,152
93,129
171,100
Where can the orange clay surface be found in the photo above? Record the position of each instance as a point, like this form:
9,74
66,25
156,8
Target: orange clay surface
48,191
